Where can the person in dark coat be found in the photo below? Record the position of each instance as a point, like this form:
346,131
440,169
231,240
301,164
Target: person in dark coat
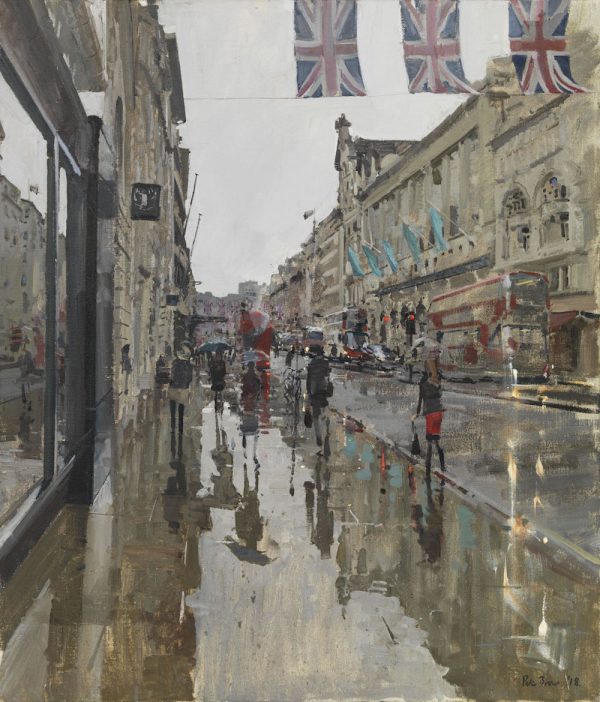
289,357
430,404
317,382
179,387
217,371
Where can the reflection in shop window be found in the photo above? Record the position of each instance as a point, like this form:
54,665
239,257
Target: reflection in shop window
61,321
23,152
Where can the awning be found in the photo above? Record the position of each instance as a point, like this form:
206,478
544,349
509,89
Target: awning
559,319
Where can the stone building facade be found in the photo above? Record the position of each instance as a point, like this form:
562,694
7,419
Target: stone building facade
327,267
97,89
449,170
514,179
151,259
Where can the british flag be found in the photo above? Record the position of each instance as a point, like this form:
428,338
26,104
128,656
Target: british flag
326,49
539,48
432,46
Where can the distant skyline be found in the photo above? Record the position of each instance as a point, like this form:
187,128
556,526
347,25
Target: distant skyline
262,156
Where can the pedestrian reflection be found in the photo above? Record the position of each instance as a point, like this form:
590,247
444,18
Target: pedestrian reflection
322,533
248,522
429,527
25,422
225,493
174,494
252,543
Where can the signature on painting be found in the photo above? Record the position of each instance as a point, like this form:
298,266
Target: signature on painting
545,681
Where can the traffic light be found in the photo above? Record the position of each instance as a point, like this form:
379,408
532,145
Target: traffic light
411,327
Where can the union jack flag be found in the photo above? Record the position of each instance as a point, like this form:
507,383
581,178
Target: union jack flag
326,51
539,48
432,46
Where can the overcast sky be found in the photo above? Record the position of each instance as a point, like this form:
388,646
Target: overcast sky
264,157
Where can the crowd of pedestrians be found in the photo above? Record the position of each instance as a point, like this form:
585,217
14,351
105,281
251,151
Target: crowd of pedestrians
319,389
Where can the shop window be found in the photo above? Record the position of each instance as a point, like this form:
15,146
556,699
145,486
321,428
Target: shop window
23,300
553,281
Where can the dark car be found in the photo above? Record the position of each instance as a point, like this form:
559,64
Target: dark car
380,354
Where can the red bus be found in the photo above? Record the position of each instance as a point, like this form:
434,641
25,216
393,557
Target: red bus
494,326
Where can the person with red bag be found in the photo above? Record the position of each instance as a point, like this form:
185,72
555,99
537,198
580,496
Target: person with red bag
430,403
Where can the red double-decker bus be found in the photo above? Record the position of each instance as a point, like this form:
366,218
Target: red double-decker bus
493,326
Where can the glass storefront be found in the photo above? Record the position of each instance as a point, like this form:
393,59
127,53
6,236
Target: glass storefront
23,302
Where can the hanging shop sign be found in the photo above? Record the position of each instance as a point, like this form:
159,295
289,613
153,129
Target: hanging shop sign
145,201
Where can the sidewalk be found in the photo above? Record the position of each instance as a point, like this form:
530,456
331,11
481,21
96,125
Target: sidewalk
531,468
579,397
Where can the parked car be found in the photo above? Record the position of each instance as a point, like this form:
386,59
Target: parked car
381,353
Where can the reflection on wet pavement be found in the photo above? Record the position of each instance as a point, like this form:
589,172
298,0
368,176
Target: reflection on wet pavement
242,562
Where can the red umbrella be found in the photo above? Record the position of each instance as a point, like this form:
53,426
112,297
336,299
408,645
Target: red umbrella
254,323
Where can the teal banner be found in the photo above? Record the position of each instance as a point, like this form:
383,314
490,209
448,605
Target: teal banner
389,254
438,230
372,259
413,242
354,262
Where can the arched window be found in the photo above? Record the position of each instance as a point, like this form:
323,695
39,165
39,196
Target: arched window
516,201
552,189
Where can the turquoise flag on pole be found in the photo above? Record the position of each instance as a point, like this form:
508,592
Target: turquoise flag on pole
438,230
372,259
413,242
389,254
354,262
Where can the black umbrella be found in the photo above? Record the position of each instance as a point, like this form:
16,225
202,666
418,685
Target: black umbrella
415,449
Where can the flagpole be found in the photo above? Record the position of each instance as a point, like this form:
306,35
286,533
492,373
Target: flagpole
187,217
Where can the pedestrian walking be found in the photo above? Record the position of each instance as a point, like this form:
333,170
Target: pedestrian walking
217,371
126,365
179,387
289,357
430,404
162,372
318,388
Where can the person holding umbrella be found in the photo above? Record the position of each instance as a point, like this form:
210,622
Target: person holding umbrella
217,372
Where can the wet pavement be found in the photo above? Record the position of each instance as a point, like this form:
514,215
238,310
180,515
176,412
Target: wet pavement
554,453
245,563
